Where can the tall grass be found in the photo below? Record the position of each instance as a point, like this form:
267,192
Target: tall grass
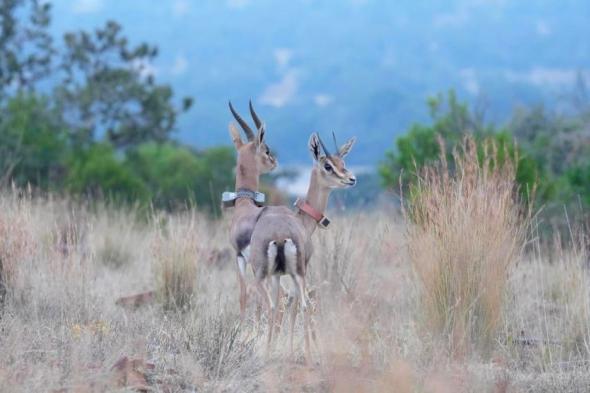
467,230
176,250
16,240
63,331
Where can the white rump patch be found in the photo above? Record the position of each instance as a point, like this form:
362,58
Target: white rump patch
290,256
290,248
271,253
242,266
246,253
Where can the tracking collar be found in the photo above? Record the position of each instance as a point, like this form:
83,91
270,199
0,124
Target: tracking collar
229,198
306,208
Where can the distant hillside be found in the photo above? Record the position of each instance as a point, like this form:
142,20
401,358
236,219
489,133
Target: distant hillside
359,67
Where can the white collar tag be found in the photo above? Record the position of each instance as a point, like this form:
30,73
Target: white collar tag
229,198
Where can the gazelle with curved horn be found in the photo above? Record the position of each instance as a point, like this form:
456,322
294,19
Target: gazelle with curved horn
281,241
254,158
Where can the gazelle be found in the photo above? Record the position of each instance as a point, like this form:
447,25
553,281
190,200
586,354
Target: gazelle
254,158
281,241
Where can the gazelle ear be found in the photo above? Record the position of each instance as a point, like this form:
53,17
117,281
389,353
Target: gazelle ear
314,146
346,148
260,135
235,135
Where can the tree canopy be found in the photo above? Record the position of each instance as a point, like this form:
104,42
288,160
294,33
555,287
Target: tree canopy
88,116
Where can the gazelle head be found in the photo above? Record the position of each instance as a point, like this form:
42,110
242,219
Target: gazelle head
255,147
331,168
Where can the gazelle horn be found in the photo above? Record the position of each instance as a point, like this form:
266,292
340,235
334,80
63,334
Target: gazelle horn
257,121
326,151
243,124
335,143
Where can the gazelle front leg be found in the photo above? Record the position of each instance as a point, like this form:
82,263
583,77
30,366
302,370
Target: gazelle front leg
301,295
258,305
241,262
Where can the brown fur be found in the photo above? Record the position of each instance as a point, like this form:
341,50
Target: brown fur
253,159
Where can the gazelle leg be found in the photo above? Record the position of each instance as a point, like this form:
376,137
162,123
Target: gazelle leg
274,298
293,305
258,303
280,309
241,262
313,329
301,295
267,299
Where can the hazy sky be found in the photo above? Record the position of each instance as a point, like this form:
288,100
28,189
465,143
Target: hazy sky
360,67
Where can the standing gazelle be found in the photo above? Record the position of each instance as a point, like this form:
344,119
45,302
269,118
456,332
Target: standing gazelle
281,241
254,158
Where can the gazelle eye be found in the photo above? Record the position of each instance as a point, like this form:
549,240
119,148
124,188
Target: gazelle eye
328,167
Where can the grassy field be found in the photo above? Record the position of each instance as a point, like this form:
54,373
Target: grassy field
489,308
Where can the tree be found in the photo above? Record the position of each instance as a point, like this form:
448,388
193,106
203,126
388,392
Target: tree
33,144
102,127
561,147
26,47
109,90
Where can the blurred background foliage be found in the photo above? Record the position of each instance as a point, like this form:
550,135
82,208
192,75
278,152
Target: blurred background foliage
83,115
100,126
553,151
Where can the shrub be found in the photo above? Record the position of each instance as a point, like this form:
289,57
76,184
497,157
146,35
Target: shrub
177,175
451,121
468,229
32,142
218,344
97,172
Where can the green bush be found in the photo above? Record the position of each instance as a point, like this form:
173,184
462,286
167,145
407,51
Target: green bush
579,179
97,172
176,174
33,144
451,122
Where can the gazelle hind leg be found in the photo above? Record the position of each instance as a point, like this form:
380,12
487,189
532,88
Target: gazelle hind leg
271,254
266,298
293,305
280,309
275,288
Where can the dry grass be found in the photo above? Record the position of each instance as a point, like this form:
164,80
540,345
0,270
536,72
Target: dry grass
176,251
468,231
16,243
62,331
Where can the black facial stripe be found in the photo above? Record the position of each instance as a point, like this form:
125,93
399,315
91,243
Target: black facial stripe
340,175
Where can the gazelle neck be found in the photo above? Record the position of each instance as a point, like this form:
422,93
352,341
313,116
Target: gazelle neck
317,196
246,175
246,172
